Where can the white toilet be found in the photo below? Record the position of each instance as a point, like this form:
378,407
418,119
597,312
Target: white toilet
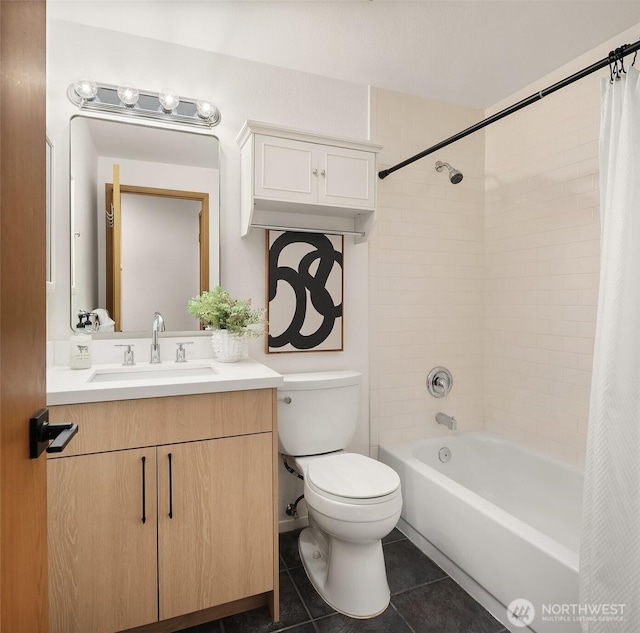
353,500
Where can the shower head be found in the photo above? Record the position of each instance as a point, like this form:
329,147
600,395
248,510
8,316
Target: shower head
455,176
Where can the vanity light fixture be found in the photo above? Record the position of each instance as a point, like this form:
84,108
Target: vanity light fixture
128,100
205,108
128,95
85,89
169,100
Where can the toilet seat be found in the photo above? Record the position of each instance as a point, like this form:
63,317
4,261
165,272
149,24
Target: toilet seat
352,478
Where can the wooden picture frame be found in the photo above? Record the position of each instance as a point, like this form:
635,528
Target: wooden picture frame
305,291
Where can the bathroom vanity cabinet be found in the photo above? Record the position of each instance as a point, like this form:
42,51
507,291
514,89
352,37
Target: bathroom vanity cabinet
302,180
162,513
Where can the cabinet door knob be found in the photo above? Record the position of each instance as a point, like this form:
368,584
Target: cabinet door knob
315,172
323,173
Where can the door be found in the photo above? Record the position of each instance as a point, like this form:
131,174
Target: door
285,169
103,541
215,522
347,177
23,483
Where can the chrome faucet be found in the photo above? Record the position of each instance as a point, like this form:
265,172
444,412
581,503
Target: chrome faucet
448,420
157,326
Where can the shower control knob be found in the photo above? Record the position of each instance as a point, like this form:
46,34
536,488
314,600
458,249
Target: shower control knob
439,382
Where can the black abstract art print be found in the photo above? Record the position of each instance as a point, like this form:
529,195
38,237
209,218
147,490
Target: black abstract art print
305,290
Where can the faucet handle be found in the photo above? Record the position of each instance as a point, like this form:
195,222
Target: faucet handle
181,352
439,382
128,353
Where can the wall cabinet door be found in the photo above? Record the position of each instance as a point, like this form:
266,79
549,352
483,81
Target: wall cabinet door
215,522
102,541
284,169
347,177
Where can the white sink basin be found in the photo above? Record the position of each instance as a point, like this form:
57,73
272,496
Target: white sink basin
149,372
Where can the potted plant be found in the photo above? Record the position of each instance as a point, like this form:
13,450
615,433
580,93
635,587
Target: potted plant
229,319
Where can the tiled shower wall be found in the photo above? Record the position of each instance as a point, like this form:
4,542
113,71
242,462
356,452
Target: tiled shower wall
542,263
426,271
496,278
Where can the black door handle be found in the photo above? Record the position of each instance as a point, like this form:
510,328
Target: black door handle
144,490
40,432
170,487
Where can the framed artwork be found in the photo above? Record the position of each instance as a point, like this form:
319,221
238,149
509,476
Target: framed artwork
304,292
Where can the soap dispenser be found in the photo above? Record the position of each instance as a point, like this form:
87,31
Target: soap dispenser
80,343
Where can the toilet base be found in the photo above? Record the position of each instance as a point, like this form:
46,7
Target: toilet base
349,576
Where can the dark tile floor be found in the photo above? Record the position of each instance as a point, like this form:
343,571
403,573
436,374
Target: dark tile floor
423,600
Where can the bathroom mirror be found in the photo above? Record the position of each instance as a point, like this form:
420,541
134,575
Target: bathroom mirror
144,220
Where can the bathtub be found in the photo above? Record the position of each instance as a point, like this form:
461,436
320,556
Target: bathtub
501,520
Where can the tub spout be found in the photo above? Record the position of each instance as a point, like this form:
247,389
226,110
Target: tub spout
448,420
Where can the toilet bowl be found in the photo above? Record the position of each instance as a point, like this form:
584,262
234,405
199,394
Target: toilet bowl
353,501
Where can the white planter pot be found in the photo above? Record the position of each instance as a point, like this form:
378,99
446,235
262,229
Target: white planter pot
227,347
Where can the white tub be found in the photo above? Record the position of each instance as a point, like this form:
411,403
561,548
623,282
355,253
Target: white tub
503,521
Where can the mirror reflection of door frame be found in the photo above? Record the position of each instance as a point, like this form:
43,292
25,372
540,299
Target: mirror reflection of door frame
113,237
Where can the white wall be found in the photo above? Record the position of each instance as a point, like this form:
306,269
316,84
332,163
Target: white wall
242,90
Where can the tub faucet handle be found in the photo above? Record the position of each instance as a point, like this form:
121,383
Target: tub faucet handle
439,382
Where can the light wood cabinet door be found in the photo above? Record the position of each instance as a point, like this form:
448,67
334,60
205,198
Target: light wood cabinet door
102,556
215,522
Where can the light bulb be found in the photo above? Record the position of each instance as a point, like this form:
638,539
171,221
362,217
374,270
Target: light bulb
169,100
86,89
205,109
128,94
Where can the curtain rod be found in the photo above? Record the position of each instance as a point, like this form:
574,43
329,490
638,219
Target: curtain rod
612,58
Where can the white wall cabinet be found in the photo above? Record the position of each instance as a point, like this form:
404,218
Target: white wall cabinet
311,173
172,534
301,180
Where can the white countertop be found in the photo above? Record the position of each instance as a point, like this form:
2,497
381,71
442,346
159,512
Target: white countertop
74,386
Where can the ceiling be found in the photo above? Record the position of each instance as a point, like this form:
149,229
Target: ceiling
471,52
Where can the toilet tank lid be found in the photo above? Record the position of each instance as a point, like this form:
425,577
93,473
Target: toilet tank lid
321,380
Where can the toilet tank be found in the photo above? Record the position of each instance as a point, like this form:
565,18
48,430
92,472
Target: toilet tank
322,413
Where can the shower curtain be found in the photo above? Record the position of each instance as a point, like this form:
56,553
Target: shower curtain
610,544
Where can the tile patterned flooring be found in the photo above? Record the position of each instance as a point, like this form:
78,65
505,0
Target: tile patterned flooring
424,599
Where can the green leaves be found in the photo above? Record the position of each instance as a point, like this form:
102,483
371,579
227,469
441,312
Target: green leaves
219,310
